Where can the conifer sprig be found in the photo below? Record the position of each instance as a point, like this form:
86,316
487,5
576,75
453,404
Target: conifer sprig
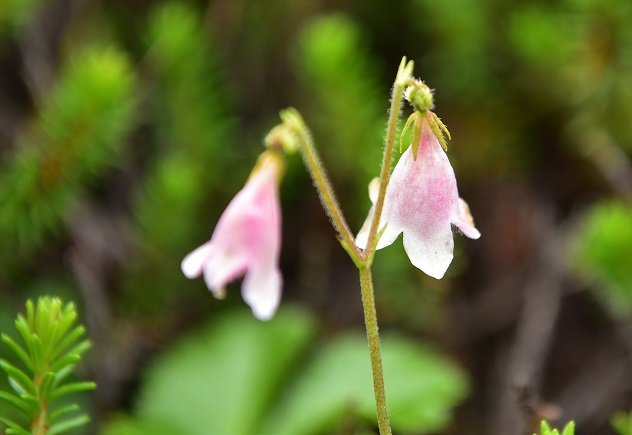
52,345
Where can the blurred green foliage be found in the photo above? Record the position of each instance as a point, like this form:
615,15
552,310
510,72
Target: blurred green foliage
251,377
79,131
603,251
622,423
194,153
158,120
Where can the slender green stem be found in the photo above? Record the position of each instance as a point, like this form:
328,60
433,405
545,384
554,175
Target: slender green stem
370,320
403,75
322,184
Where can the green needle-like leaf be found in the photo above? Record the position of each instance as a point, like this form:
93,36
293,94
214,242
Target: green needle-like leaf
63,411
38,355
13,427
18,377
65,361
32,402
66,425
16,402
72,336
48,381
75,387
18,351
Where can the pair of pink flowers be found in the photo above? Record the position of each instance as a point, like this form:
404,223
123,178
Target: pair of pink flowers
422,201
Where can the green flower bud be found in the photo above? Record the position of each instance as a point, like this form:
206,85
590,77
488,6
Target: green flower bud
419,95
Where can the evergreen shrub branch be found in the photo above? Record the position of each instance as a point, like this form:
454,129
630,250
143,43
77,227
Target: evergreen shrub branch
52,344
76,134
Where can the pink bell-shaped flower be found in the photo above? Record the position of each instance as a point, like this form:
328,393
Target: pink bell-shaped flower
246,240
422,201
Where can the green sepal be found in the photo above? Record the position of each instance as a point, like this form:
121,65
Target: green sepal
16,402
414,142
410,120
17,349
75,387
66,425
438,129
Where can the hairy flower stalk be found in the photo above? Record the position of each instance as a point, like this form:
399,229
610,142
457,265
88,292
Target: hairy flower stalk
247,240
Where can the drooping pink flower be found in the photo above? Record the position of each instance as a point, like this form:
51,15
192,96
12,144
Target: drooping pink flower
422,201
246,240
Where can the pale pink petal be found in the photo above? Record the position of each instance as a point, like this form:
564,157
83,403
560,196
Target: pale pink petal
221,268
261,290
247,236
389,232
430,252
463,220
193,263
363,235
422,201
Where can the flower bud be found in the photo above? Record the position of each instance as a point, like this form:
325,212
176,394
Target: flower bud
419,95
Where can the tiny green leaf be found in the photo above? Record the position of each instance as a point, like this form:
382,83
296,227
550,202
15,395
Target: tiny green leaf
18,377
63,411
13,427
16,402
75,387
18,351
569,429
66,425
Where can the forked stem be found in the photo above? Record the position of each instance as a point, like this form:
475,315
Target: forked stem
362,259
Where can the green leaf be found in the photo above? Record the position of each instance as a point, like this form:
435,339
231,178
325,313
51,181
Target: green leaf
223,379
13,427
67,360
38,355
622,423
48,380
243,376
569,429
66,425
16,402
602,249
545,429
33,402
18,377
422,387
69,339
63,411
18,351
75,387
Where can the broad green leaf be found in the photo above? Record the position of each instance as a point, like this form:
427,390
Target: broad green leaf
222,379
422,386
